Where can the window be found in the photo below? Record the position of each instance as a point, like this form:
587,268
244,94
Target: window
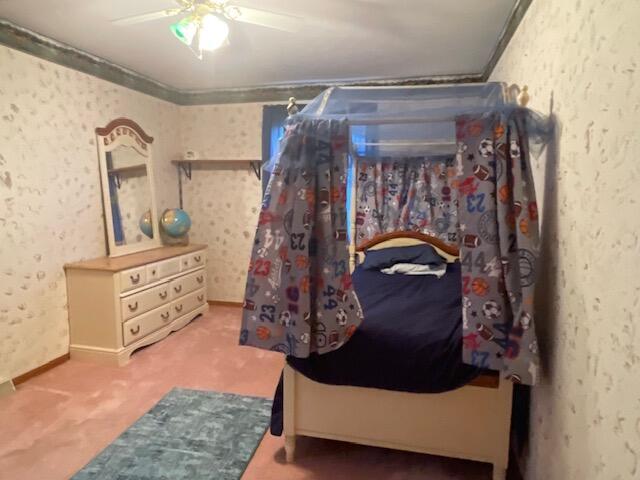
273,119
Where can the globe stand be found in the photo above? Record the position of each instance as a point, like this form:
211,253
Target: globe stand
171,241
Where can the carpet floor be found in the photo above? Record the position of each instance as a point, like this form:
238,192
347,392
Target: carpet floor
57,422
187,435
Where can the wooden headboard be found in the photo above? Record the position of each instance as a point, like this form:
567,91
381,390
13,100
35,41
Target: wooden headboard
431,240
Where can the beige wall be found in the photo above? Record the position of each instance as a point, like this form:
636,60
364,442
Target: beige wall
50,196
583,57
223,201
50,201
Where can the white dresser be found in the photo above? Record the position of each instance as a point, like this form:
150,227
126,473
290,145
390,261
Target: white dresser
117,305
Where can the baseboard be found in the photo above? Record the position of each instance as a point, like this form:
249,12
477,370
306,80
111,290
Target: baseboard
6,388
222,303
41,369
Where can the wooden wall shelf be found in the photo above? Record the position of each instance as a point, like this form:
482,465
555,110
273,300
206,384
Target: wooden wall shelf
185,166
130,168
214,160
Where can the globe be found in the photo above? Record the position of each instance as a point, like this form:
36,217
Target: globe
145,224
175,222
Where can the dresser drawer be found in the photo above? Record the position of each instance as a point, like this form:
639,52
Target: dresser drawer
192,260
185,263
197,259
144,301
133,278
144,324
189,302
169,267
188,283
153,274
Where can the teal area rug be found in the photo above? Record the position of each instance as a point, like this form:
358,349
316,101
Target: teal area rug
189,434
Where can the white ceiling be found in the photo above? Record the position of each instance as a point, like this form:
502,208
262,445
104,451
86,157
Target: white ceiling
339,40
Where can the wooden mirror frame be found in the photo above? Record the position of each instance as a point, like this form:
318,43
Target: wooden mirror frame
126,132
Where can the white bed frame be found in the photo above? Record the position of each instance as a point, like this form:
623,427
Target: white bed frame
472,422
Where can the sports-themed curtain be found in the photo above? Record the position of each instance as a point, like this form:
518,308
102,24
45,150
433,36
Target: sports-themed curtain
498,220
299,297
407,194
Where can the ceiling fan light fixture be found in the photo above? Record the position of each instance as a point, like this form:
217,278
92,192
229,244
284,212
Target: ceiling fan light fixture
213,33
184,30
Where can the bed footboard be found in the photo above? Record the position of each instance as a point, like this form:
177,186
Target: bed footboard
471,422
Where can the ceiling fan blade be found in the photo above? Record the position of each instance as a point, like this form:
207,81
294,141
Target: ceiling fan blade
146,17
264,18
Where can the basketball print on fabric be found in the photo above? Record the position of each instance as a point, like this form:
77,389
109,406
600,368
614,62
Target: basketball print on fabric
499,245
299,298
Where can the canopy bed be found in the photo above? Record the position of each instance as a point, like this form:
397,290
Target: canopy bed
394,265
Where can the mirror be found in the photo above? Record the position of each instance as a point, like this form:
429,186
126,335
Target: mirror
126,174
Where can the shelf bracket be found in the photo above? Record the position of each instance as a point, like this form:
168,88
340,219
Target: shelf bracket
116,179
257,169
186,168
183,167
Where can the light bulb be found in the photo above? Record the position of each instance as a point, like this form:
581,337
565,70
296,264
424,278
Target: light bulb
184,30
213,32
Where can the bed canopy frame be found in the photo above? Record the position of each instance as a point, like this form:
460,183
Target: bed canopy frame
472,422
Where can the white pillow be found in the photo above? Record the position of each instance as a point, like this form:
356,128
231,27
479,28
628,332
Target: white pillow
416,269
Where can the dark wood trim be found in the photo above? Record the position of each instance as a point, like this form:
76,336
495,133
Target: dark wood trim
41,369
309,91
222,303
517,14
488,379
436,242
40,46
124,122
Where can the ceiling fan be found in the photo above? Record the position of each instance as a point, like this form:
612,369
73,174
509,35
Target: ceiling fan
204,26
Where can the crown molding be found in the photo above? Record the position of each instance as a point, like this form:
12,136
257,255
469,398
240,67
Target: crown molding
516,16
309,91
19,38
40,46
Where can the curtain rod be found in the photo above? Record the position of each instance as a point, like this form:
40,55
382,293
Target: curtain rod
390,120
436,143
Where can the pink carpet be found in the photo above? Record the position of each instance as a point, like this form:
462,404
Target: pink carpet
56,422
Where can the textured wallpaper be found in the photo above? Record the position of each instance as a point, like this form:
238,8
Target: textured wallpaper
224,200
581,61
50,200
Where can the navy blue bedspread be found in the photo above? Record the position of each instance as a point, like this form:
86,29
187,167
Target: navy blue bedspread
410,339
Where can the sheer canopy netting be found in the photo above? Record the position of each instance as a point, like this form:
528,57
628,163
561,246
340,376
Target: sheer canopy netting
406,121
406,103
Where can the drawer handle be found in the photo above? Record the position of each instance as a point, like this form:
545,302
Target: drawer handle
163,295
165,316
200,298
177,288
178,308
200,279
153,272
135,279
197,258
135,331
185,262
133,308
